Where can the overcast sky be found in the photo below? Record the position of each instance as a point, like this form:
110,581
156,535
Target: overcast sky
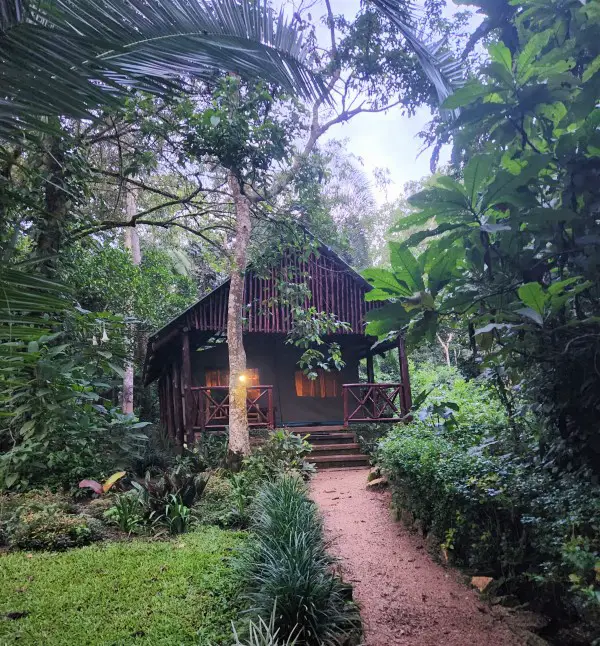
386,140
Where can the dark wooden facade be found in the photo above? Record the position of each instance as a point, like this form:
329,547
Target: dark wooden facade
182,352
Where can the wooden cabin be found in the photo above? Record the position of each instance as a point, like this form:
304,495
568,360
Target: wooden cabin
188,356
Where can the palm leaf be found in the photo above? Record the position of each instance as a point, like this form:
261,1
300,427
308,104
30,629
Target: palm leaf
67,57
443,72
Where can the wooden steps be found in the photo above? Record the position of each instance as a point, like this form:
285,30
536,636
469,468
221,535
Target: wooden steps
333,447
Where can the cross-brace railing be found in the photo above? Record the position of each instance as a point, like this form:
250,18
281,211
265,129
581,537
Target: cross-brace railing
211,406
375,403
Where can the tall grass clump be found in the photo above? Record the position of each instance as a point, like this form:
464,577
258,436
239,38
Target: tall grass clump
286,566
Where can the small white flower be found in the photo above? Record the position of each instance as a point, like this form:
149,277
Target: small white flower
104,338
94,340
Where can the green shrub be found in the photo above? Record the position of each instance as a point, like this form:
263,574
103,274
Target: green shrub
286,563
218,505
179,482
502,515
167,501
282,452
178,517
51,529
126,512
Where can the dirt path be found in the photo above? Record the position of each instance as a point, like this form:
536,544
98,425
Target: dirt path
405,598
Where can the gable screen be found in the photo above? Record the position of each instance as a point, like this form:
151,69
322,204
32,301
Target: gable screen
325,385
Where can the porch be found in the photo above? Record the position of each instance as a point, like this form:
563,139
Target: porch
362,403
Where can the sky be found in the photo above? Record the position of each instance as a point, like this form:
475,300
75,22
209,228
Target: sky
384,140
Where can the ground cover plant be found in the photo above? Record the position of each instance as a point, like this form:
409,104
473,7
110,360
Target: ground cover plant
286,564
181,591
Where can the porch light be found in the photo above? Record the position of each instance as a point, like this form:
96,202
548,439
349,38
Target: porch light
242,378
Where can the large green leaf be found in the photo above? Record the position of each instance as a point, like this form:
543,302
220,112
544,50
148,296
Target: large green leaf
385,281
532,295
477,173
506,187
441,268
392,317
468,94
68,57
406,267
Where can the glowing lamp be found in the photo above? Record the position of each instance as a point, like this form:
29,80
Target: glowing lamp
242,378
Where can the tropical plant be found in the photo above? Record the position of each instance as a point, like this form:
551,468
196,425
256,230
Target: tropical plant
178,517
178,485
126,512
105,487
261,633
511,252
113,46
287,562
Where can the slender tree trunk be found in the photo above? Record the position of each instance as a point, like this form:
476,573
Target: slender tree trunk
446,346
51,228
132,243
239,435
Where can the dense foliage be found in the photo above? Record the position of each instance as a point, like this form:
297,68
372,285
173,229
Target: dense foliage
502,250
512,250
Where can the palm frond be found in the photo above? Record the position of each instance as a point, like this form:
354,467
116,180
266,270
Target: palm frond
442,71
67,57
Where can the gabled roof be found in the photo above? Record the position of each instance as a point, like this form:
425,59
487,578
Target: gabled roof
335,285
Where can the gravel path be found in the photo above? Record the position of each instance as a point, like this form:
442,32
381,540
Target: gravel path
405,598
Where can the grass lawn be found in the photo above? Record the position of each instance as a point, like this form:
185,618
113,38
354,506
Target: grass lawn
177,593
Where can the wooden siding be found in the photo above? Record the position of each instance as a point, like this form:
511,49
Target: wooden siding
333,286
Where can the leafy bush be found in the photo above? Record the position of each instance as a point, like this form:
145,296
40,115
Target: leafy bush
282,452
502,515
286,562
177,516
61,430
51,529
218,505
168,500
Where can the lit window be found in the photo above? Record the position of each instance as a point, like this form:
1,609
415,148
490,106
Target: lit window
325,385
220,377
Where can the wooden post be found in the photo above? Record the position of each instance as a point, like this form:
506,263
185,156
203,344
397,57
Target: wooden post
370,370
404,376
271,409
177,403
186,371
345,393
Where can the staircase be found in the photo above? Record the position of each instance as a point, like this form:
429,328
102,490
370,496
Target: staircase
333,447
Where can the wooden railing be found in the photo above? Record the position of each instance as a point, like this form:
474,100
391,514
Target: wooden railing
211,406
375,403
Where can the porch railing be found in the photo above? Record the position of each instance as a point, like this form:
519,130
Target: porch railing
375,403
211,406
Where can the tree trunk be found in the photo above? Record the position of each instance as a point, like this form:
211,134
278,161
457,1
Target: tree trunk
131,241
52,224
446,346
239,435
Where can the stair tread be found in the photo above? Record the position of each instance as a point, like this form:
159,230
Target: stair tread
338,458
335,447
316,429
